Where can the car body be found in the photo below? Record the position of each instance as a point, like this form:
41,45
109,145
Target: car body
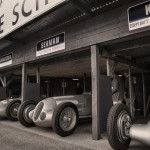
8,108
43,112
3,106
62,113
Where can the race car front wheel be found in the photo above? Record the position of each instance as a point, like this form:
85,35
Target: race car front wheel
12,109
65,119
23,113
119,122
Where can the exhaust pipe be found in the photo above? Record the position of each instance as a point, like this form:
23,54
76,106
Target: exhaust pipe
141,133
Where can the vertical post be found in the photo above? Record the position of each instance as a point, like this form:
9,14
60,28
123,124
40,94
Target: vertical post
2,81
143,83
95,73
38,75
108,66
24,81
48,88
84,82
63,86
130,92
5,82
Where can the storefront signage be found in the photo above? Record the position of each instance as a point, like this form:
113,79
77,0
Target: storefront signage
6,60
139,16
16,13
51,44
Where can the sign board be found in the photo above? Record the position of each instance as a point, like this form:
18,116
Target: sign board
50,45
139,16
6,60
16,13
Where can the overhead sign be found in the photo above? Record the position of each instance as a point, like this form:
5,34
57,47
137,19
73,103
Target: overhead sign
6,60
16,13
139,16
50,45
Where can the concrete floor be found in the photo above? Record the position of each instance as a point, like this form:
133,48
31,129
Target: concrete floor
13,136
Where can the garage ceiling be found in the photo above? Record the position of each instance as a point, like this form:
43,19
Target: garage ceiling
70,69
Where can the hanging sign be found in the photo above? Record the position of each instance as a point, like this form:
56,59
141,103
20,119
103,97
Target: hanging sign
139,16
50,45
6,60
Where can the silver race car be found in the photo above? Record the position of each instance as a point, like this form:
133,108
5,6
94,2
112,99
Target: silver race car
61,113
9,108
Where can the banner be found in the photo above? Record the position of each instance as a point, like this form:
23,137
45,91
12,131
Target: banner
139,16
50,45
16,13
6,60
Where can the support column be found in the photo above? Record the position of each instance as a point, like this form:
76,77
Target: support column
63,86
143,83
5,82
108,66
48,88
84,82
95,73
38,75
24,81
130,92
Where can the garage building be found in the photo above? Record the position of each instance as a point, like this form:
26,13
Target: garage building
47,47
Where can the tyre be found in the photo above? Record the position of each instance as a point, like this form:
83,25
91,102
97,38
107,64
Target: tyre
119,122
12,109
65,119
23,113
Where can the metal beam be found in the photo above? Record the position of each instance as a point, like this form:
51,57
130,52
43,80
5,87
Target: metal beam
106,54
82,7
95,73
130,45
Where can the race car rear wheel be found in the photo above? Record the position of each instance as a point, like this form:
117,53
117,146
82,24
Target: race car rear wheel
119,122
65,119
12,109
23,113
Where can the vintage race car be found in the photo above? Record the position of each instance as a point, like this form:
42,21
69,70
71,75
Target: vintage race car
9,108
62,113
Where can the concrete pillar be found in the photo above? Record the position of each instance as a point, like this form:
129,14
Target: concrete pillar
24,81
95,73
130,92
143,83
108,66
84,82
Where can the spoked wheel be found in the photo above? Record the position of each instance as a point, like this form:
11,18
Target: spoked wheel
12,109
119,122
65,119
23,113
